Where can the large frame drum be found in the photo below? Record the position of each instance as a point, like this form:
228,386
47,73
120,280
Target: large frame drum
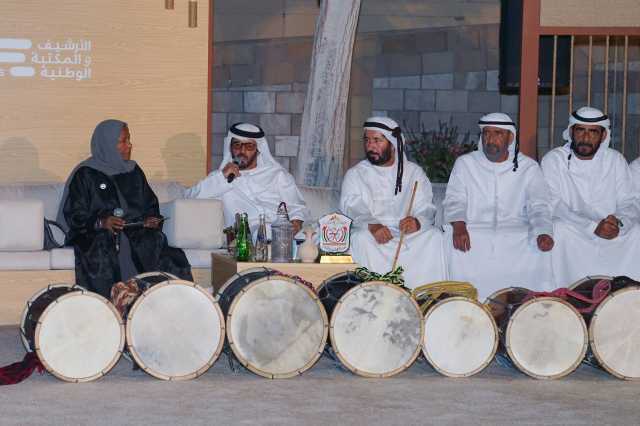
460,336
376,328
77,335
614,327
175,329
276,325
545,337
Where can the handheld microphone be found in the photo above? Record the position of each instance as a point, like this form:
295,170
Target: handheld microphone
118,212
232,176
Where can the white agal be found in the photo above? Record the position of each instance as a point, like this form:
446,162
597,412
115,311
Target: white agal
376,329
615,333
584,193
175,330
368,198
277,327
546,338
80,337
460,337
505,211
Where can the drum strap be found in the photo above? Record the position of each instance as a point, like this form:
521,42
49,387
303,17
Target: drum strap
600,292
296,278
428,294
19,371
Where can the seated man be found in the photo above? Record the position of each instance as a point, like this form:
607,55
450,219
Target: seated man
376,193
498,205
595,204
102,194
250,180
634,167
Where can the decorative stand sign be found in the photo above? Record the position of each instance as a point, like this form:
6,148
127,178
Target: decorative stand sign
335,234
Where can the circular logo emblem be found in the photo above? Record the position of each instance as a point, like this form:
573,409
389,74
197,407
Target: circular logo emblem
103,186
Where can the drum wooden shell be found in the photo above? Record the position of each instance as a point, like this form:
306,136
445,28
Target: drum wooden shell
614,328
78,335
175,329
276,325
545,337
460,337
376,328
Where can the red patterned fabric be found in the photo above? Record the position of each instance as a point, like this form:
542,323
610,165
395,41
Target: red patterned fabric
600,291
19,371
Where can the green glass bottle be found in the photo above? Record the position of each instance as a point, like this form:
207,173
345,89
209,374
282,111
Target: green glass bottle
243,241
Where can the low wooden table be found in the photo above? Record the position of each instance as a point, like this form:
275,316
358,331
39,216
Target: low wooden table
224,267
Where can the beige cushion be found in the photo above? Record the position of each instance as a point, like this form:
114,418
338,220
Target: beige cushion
167,191
24,260
62,258
21,225
194,223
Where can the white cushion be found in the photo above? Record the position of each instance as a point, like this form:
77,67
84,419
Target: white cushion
24,260
199,258
21,225
194,223
320,201
49,193
167,191
63,258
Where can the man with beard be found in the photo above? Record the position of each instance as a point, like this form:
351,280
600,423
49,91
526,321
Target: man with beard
498,205
376,193
595,205
250,180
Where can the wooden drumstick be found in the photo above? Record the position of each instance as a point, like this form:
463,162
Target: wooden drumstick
413,196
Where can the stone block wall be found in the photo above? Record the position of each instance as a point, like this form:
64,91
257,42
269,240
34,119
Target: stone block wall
418,77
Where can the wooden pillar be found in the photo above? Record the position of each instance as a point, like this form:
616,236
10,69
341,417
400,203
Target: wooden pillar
530,55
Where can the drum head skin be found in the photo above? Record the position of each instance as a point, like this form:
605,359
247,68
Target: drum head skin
615,333
79,337
460,337
175,330
376,329
546,338
277,327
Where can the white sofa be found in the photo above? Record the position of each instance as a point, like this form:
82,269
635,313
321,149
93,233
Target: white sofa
194,225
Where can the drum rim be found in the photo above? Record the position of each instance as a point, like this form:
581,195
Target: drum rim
117,355
488,299
169,275
364,373
337,274
496,339
592,343
570,369
240,274
318,352
32,299
134,353
589,278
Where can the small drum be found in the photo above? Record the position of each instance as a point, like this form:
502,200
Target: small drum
175,329
614,326
276,325
376,327
545,337
77,335
460,335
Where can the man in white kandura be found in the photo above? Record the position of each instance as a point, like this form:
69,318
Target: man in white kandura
498,205
376,193
595,204
250,180
635,175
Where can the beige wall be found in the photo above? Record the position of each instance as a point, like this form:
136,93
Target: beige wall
264,19
590,13
147,68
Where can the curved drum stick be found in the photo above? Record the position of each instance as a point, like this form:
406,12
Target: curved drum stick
413,196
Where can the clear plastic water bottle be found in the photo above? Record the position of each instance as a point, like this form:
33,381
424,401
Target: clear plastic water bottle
262,245
282,236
